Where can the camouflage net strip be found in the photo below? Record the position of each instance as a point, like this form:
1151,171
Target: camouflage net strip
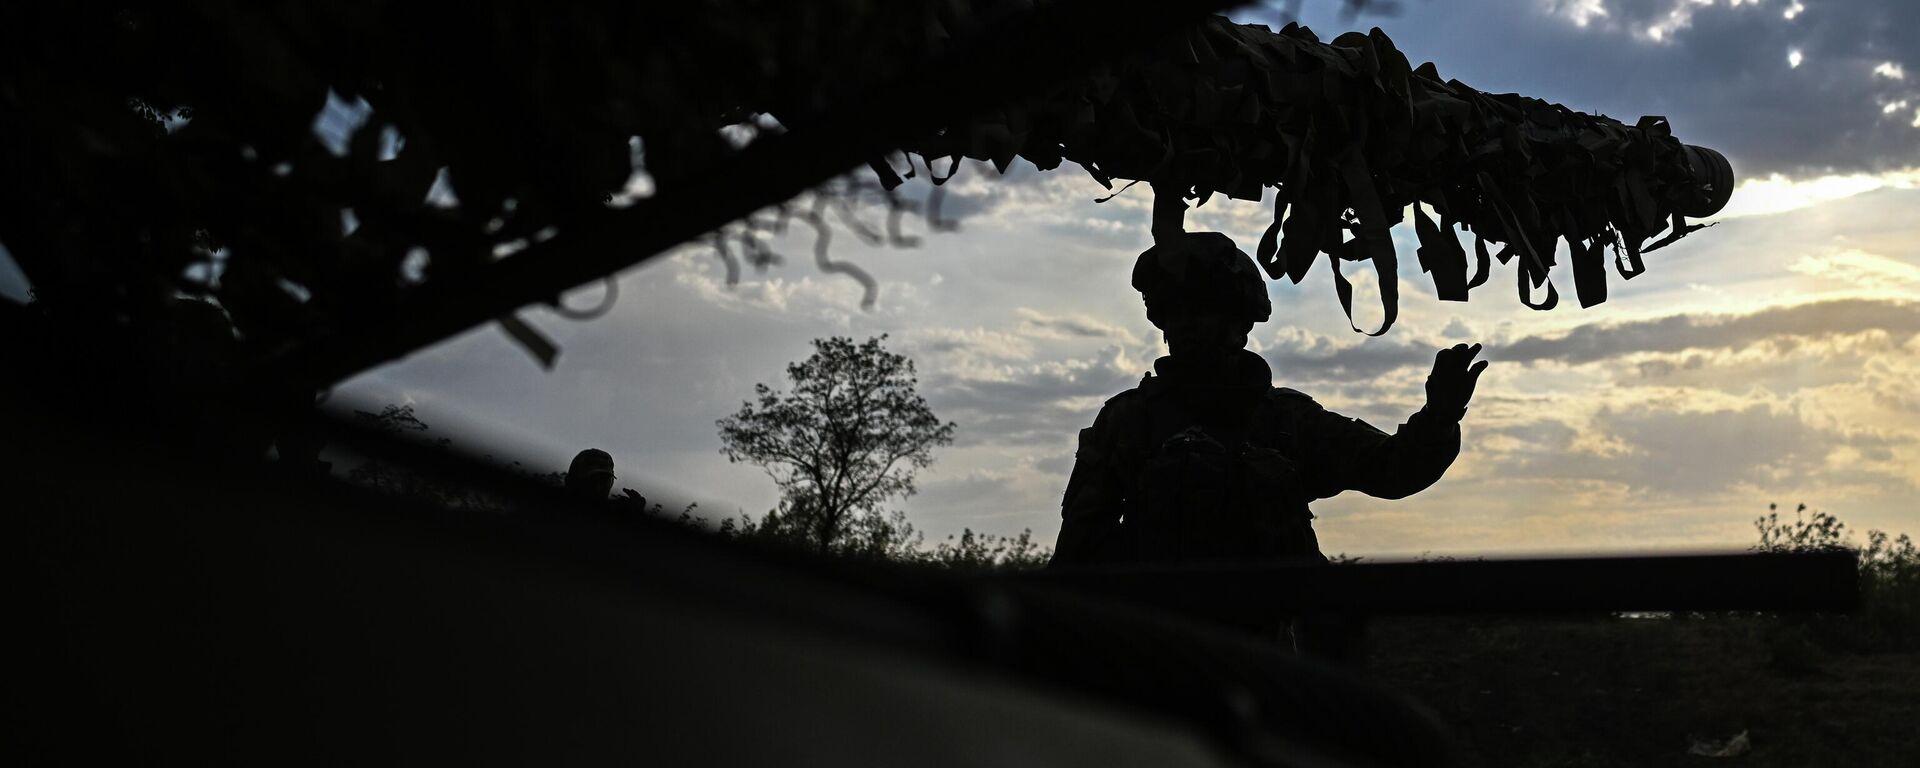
1351,135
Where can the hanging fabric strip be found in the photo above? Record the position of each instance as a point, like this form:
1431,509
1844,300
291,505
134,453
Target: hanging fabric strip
1310,196
953,167
1169,211
1481,267
1267,253
1117,193
1441,256
1373,237
535,343
1680,229
1524,276
1344,290
889,178
1632,265
1589,271
1312,221
1516,237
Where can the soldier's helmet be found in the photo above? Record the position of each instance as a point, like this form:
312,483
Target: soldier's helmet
590,466
1201,270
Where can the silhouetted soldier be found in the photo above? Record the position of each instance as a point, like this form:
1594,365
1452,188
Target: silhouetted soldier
590,478
1206,459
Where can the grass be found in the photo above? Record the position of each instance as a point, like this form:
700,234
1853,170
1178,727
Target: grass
1576,692
1808,690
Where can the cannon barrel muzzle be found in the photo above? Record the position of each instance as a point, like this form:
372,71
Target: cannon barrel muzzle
1713,183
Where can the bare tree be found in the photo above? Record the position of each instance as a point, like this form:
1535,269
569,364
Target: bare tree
849,436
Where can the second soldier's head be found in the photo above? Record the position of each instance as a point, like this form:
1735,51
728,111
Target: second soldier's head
1202,292
590,476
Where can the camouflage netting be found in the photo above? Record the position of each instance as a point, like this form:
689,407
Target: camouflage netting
170,150
1351,135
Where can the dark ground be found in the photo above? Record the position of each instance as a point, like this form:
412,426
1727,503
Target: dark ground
1639,692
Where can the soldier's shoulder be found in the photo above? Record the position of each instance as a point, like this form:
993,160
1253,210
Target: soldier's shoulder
1149,386
1131,403
1285,393
1291,398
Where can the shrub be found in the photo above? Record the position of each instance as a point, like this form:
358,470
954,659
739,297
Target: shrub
1889,614
888,536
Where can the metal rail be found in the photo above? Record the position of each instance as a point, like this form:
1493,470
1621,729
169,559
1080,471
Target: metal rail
1811,581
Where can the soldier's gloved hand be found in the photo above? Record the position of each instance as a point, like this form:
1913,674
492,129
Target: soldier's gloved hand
632,497
1451,384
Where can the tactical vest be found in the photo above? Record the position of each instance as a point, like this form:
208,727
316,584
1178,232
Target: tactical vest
1224,488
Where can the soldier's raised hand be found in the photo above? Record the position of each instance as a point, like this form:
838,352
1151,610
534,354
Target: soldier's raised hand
1454,376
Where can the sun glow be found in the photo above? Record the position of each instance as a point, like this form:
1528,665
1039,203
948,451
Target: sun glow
1779,194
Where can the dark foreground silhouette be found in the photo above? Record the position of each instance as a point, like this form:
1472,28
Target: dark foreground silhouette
215,610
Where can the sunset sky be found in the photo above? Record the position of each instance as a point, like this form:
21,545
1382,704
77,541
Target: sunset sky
1774,357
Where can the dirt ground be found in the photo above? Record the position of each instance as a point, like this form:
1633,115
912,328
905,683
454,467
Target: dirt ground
1640,692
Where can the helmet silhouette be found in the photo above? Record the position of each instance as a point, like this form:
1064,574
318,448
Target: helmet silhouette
1200,270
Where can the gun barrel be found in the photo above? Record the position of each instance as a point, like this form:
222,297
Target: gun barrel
1813,581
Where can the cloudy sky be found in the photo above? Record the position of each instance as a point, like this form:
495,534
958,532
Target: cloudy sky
1775,357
